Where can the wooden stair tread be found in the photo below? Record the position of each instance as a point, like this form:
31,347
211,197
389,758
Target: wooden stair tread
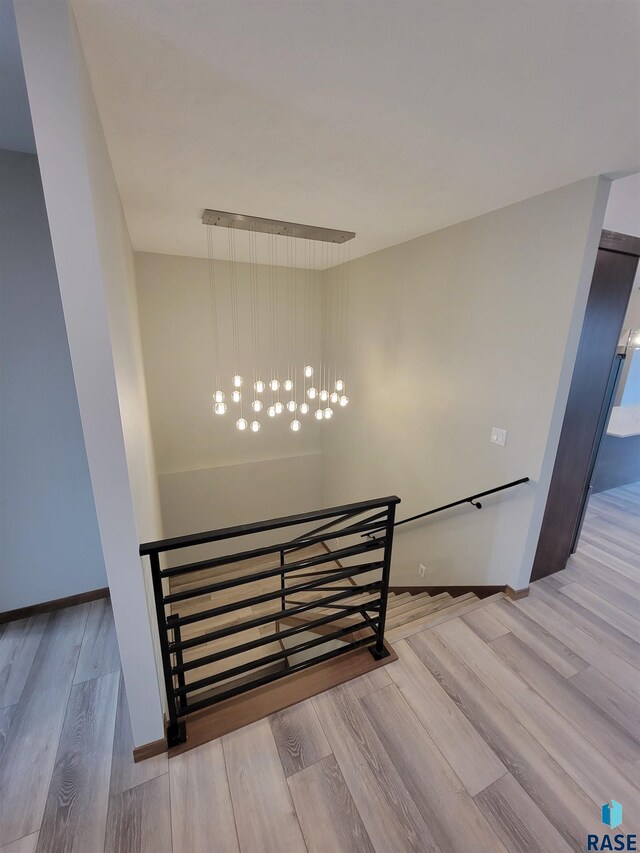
422,608
456,607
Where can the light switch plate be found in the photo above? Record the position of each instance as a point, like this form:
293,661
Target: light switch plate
498,436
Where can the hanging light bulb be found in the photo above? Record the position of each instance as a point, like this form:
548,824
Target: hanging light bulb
343,400
220,408
334,396
288,384
324,395
312,393
218,397
295,425
308,371
274,385
241,423
318,414
292,405
271,411
328,413
259,386
236,396
339,385
279,408
237,381
254,426
257,405
303,408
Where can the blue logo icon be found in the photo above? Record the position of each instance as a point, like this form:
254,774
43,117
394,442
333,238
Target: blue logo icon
612,814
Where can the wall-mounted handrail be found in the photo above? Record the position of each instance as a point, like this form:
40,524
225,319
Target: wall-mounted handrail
472,499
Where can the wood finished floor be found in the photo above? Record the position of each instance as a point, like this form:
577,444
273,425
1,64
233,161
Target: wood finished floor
500,728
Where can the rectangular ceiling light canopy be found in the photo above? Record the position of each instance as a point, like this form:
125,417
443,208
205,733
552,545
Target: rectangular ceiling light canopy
275,226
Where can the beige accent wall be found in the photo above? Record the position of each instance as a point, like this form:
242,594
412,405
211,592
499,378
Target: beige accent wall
450,334
210,474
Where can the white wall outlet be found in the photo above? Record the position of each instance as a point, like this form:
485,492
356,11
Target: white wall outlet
422,569
498,436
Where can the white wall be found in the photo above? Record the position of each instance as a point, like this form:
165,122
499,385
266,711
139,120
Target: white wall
470,327
212,475
94,261
49,541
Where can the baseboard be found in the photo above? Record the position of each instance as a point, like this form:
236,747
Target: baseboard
515,594
454,591
148,750
55,604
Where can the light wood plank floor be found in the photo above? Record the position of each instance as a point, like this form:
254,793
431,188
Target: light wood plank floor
503,726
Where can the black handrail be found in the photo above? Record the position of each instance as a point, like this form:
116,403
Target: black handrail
472,499
367,617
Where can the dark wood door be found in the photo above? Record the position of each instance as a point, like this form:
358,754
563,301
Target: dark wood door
608,299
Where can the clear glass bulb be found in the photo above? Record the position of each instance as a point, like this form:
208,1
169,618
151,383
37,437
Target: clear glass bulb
295,425
237,381
242,424
334,396
318,415
279,407
324,395
259,386
303,408
271,411
288,384
344,400
292,405
236,396
328,413
257,405
220,408
254,426
308,371
218,397
274,385
312,393
339,385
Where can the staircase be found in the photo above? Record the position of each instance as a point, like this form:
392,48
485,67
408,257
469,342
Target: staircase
245,634
406,614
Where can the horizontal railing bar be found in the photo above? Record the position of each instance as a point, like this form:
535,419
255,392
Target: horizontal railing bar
268,596
272,676
364,604
344,531
210,680
163,545
345,610
265,550
307,562
237,628
470,499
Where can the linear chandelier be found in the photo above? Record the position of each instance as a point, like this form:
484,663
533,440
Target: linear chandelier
277,370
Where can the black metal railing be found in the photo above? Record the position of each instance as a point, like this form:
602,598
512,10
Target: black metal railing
472,499
355,594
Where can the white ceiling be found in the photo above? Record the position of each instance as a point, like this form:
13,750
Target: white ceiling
390,118
16,130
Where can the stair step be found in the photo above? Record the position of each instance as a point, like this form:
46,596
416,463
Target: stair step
415,601
421,608
329,628
456,607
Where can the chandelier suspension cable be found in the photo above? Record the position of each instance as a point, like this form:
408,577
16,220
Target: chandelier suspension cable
296,295
234,299
214,308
